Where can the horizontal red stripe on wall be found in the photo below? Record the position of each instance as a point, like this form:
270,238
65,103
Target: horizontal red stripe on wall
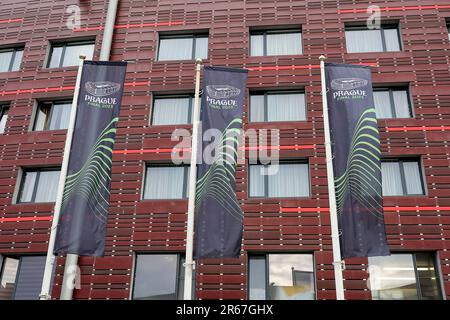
11,20
369,64
167,150
388,209
406,8
22,91
139,25
17,219
422,128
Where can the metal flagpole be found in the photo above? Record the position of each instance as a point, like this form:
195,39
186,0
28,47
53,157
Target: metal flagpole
337,261
189,262
72,259
50,261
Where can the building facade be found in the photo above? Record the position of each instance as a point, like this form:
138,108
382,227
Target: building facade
286,249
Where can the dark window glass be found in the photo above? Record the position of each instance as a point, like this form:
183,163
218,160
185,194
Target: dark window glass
68,54
402,177
159,277
448,27
3,118
39,185
282,277
277,106
276,42
21,278
290,180
404,277
183,47
170,110
392,103
166,182
10,59
362,39
53,116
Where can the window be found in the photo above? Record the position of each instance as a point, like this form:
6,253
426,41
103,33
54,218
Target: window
3,118
392,103
402,177
404,277
53,115
291,180
159,277
277,106
276,42
68,54
39,185
361,39
172,110
281,277
448,27
183,47
166,182
21,277
10,59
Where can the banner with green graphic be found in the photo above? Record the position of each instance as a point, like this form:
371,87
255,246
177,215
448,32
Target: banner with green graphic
85,206
219,218
356,160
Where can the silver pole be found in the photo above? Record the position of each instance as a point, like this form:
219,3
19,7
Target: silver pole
337,261
108,33
50,261
189,264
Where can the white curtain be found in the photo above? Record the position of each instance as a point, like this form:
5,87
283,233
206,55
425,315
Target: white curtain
3,119
201,47
257,108
412,177
55,58
17,60
72,54
292,180
364,41
257,45
284,43
164,183
28,183
47,186
392,40
391,179
171,111
5,60
286,107
175,49
60,116
256,181
401,103
382,104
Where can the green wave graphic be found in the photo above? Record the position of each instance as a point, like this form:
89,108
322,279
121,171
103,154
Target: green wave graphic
216,182
361,177
92,181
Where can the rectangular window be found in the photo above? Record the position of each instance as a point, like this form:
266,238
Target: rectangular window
277,106
281,277
53,115
68,54
39,185
166,182
10,59
362,39
170,110
159,277
21,277
291,180
3,118
276,42
404,276
402,177
392,103
183,47
448,28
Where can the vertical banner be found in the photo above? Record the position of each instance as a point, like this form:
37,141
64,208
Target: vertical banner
356,160
219,218
85,205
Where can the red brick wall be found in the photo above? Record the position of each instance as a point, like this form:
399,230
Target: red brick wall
148,226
